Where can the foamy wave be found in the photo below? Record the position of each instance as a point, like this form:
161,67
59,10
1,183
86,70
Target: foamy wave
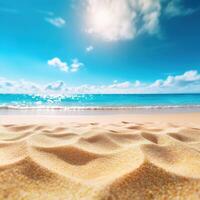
82,108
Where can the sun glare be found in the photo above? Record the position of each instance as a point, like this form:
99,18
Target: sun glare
100,22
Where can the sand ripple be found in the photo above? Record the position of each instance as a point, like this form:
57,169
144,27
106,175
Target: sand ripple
94,161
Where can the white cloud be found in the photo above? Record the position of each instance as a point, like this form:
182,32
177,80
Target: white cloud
125,84
4,83
115,20
137,83
75,65
63,66
89,48
56,86
188,78
157,83
187,82
57,63
21,86
56,21
176,8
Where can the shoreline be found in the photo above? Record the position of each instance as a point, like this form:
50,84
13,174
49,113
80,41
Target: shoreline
98,110
180,118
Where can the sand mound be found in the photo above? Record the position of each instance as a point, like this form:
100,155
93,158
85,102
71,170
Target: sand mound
99,161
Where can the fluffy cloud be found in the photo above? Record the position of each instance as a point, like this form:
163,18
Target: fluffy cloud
21,86
185,83
89,48
137,83
187,79
63,66
125,84
176,8
4,83
57,86
75,66
57,63
122,19
114,20
56,21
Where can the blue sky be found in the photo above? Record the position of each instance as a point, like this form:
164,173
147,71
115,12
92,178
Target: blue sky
111,46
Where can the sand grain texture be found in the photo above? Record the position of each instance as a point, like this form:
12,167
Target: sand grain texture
122,161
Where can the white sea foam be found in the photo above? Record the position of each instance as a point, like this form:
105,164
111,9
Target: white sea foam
82,108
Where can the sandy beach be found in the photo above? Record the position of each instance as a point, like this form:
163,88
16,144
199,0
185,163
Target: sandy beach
104,157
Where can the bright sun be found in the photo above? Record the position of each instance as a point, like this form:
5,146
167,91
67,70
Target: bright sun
100,22
110,20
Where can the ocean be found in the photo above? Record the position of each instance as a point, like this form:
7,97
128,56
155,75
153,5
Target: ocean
99,101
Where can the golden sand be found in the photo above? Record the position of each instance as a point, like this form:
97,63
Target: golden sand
122,160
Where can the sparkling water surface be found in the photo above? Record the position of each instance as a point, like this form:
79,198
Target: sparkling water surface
99,100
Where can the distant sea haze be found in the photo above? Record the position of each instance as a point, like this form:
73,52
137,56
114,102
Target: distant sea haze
99,101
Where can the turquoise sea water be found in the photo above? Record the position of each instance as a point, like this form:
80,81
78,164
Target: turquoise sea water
99,101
